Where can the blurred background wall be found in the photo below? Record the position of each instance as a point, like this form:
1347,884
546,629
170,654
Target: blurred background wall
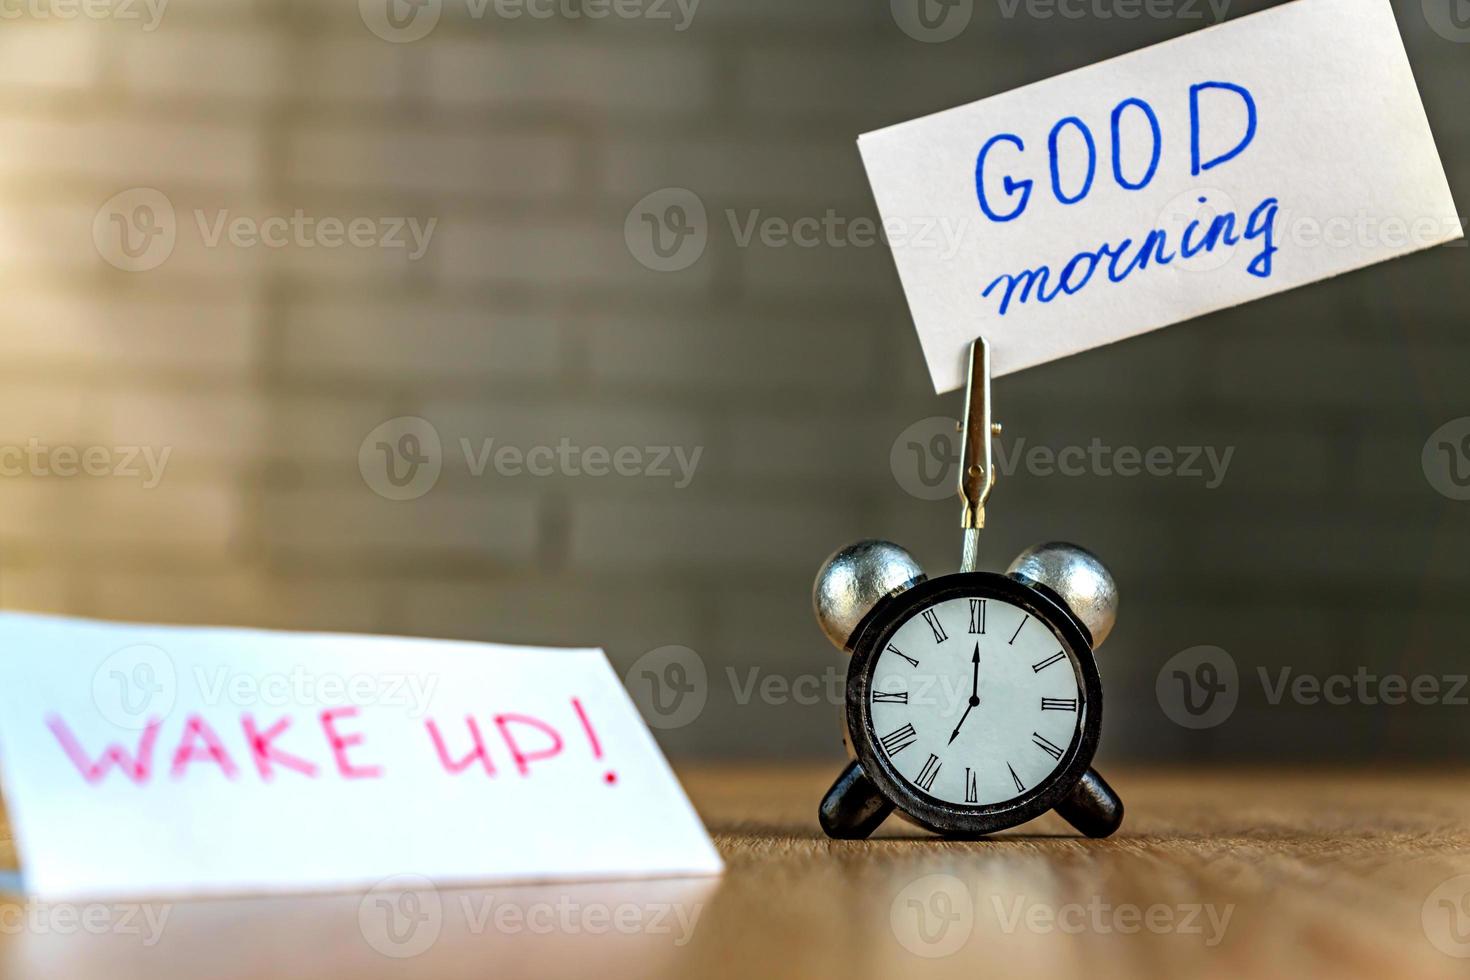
142,315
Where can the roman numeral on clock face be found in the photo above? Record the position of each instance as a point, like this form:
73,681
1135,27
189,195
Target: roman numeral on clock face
897,652
1058,704
925,781
932,618
1016,779
1045,746
882,697
1018,628
972,791
896,741
1038,668
977,615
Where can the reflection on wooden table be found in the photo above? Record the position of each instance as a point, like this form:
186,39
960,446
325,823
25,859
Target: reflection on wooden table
1236,875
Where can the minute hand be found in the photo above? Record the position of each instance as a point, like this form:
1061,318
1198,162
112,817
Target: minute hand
975,688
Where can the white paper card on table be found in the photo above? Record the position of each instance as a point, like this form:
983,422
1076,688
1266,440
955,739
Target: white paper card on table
162,760
1300,127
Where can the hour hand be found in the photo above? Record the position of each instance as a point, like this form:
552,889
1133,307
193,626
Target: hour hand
956,733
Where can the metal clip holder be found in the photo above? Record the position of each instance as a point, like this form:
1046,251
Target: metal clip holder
977,456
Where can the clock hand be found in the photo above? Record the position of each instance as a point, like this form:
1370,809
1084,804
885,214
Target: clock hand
975,691
956,733
974,696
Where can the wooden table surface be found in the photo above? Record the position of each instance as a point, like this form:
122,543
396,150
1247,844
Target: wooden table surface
1236,875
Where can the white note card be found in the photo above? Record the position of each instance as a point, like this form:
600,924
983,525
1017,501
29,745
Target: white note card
1226,165
160,760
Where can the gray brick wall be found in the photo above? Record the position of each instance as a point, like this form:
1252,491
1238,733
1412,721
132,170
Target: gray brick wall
530,320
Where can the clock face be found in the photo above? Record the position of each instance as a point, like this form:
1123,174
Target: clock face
975,701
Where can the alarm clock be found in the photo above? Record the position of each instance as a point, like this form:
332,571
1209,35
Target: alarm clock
973,701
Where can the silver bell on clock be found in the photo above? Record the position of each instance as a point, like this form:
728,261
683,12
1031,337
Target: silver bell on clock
1080,580
854,580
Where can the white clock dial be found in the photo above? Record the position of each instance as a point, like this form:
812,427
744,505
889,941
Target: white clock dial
975,701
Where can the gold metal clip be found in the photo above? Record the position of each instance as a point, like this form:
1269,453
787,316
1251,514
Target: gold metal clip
977,458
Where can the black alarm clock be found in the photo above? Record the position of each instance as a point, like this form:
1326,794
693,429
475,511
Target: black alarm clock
973,700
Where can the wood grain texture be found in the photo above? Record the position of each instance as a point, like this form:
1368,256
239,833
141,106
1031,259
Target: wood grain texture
1245,874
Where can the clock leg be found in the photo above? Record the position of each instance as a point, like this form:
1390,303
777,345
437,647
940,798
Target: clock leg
853,808
1092,806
